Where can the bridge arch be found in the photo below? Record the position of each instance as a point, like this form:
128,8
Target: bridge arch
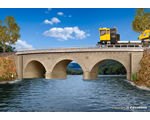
58,69
34,69
95,67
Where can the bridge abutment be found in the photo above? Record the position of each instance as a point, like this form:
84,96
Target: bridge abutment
19,64
128,75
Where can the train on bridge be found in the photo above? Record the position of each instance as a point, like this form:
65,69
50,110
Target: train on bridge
110,37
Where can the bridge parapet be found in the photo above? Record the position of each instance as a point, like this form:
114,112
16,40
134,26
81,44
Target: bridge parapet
79,48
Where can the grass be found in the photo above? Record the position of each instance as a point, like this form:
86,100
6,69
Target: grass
134,77
8,77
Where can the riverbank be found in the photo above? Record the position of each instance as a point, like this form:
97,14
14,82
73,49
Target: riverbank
11,81
7,67
143,75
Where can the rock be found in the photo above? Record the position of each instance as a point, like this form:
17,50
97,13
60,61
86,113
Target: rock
143,75
7,68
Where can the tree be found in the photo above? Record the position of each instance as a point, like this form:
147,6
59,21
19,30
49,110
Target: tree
9,48
111,67
141,20
9,32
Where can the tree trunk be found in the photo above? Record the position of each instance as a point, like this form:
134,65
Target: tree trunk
3,49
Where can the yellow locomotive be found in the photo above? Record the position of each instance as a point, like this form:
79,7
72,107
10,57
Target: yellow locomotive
108,36
145,36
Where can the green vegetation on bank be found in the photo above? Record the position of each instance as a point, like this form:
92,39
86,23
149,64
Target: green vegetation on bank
9,48
109,67
134,77
72,72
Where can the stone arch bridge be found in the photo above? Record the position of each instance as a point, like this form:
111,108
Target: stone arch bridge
31,63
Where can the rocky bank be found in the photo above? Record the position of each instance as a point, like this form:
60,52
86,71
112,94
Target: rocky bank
7,67
143,75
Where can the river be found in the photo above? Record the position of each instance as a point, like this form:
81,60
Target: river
106,94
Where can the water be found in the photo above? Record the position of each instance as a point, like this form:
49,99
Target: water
106,94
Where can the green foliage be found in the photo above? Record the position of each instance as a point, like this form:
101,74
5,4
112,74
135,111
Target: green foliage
111,67
6,77
2,77
9,48
9,32
134,77
14,76
141,20
72,72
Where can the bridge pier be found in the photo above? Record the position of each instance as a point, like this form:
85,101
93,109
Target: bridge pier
90,75
94,75
128,75
48,75
57,75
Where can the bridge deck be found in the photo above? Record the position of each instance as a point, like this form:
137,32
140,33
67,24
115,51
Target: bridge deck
81,49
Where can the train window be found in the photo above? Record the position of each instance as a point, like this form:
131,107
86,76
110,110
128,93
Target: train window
102,32
108,32
113,31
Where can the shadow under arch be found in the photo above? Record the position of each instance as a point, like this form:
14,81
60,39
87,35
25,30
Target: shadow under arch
94,70
59,70
34,69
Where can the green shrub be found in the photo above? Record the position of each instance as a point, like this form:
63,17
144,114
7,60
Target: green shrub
6,77
2,77
134,77
14,76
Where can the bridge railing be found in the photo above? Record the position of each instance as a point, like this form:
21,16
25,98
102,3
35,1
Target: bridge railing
79,47
57,47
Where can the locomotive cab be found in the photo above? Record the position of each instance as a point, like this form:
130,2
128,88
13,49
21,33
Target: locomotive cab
108,36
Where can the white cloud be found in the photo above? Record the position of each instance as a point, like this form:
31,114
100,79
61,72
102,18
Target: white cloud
79,34
64,33
69,15
21,44
48,10
47,22
60,13
87,34
53,20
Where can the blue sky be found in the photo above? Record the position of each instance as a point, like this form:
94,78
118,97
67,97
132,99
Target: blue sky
42,27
